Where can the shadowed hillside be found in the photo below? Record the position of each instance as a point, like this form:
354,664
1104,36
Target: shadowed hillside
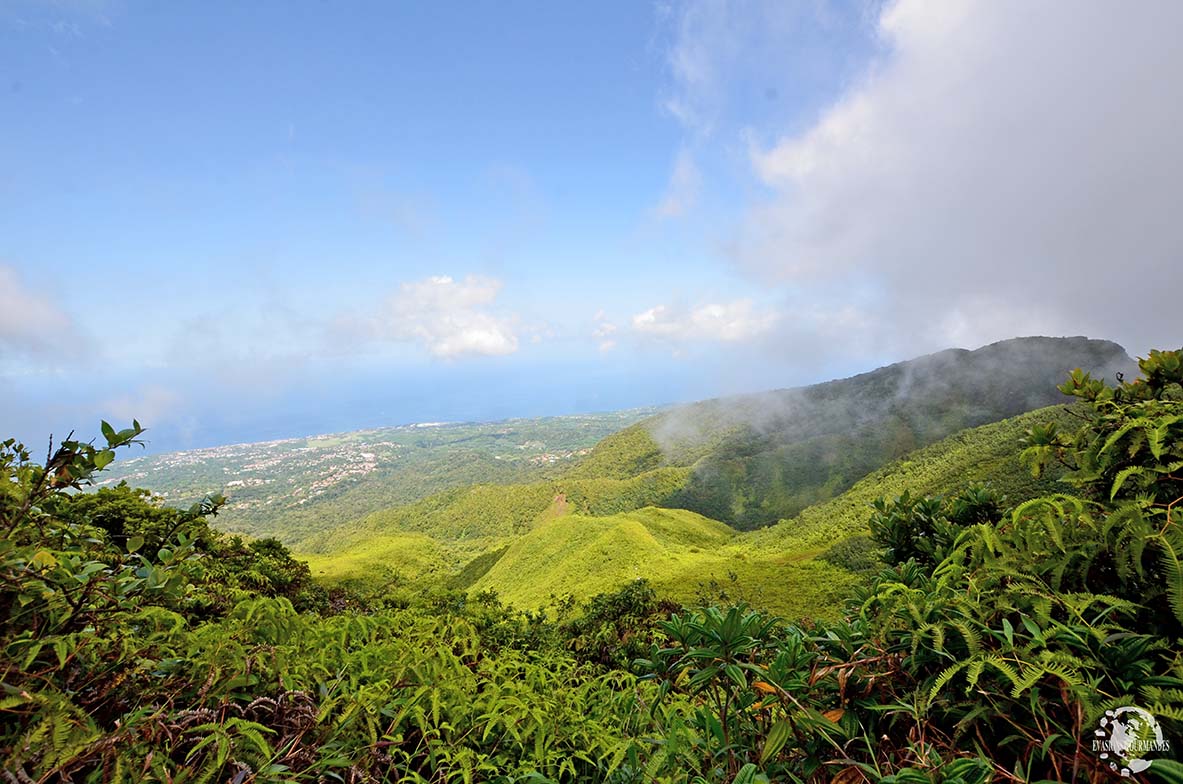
762,458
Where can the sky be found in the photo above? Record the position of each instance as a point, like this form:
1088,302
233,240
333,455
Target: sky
244,221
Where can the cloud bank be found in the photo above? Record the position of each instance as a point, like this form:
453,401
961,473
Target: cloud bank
1002,168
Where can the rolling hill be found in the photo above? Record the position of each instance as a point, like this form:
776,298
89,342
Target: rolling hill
799,567
807,461
440,533
579,537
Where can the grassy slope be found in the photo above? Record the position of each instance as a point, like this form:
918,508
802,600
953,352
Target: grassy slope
585,555
447,529
630,452
383,559
682,553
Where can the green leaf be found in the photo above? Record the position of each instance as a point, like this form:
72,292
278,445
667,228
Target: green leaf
1121,477
777,737
749,775
1166,770
135,543
43,559
746,775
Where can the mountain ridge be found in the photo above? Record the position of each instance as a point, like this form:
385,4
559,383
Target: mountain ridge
761,458
487,532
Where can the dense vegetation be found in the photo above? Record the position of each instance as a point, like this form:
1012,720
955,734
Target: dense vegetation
804,564
140,644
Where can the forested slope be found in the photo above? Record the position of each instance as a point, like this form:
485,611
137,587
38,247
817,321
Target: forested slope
762,458
982,455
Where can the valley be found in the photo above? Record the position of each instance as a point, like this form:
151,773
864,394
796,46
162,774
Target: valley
932,533
296,487
755,497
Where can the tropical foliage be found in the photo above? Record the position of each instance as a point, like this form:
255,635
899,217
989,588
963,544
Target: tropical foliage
138,643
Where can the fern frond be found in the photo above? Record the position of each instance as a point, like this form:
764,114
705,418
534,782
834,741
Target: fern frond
943,679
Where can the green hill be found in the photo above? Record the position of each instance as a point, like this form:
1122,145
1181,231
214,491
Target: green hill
681,553
762,458
384,558
800,567
443,531
574,554
985,454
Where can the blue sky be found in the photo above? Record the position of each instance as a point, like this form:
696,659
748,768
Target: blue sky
253,220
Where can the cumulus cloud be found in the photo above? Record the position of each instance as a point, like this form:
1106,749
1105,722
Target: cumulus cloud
449,318
726,322
1003,168
31,325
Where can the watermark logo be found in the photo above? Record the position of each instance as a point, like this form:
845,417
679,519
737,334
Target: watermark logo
1125,737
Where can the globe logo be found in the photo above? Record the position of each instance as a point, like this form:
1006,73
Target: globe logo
1125,736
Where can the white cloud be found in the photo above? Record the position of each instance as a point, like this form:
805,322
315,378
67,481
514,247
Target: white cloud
727,322
604,332
449,318
31,325
1005,168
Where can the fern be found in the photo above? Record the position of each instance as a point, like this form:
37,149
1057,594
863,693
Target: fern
1169,542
